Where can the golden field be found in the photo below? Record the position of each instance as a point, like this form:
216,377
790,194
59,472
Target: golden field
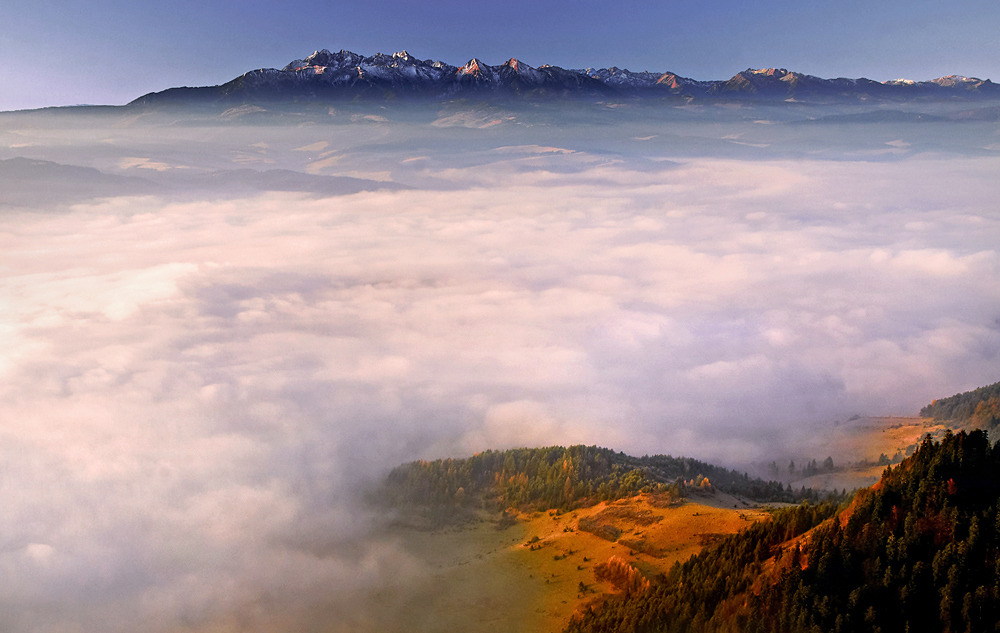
483,576
532,573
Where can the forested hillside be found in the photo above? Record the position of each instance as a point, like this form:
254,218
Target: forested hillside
564,478
916,552
980,408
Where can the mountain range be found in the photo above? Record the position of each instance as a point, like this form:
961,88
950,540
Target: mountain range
325,75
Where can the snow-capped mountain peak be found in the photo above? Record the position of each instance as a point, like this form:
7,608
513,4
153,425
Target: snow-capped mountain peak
325,74
472,67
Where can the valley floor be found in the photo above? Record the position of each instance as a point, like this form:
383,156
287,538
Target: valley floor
482,577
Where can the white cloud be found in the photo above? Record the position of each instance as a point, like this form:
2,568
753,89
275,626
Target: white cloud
192,390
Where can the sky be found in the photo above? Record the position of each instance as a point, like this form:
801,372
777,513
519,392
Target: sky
65,52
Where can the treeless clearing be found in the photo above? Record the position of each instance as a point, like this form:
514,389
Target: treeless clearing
460,578
864,440
534,573
484,579
867,438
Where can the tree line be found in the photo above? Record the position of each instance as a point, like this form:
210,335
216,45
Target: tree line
563,478
979,408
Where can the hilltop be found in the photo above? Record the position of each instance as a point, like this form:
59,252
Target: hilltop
592,540
979,408
536,536
564,479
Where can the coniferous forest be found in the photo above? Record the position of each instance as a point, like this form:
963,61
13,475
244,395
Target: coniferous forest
979,408
916,552
565,478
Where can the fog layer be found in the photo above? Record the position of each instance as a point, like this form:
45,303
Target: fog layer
196,381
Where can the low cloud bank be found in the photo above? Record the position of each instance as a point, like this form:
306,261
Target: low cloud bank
193,392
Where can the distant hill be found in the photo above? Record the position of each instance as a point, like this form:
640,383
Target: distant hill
979,408
916,552
32,183
564,478
25,182
346,75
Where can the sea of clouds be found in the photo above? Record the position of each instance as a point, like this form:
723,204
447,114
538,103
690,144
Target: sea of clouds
195,389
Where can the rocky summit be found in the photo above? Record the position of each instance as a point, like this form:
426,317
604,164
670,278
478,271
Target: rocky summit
329,76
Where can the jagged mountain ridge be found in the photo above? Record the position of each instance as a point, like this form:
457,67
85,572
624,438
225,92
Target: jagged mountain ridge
330,75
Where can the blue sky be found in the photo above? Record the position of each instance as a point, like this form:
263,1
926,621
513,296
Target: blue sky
59,52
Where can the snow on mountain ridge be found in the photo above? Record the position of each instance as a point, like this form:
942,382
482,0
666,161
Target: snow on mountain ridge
326,74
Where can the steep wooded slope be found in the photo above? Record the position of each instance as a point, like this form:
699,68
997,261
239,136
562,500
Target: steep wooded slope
916,552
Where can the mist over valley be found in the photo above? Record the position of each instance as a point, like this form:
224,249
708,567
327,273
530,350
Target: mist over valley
224,324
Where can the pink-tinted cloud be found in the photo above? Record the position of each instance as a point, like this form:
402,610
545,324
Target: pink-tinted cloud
193,390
